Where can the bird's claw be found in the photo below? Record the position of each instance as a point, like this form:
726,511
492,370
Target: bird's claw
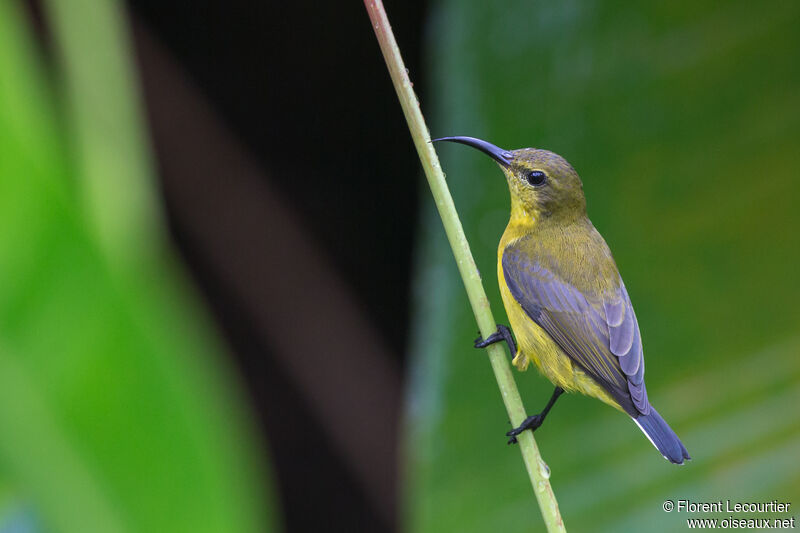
502,334
532,422
491,339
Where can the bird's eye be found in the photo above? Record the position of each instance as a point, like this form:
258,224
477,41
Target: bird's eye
536,177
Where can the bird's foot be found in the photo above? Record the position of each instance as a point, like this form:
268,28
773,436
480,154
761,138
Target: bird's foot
532,422
502,334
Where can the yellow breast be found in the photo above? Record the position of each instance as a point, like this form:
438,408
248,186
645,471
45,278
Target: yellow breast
534,344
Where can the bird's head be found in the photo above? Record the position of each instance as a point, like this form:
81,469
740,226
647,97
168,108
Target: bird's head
543,185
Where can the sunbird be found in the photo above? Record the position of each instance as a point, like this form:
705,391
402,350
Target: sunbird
565,299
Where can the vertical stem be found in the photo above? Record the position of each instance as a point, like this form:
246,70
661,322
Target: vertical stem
537,470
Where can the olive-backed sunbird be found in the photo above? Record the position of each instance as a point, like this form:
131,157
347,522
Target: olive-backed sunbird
565,299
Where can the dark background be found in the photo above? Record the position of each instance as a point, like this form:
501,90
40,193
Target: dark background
296,84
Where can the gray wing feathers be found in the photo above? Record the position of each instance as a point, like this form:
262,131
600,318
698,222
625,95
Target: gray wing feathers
599,331
626,344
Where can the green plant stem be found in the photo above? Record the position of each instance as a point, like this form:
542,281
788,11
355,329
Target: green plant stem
537,469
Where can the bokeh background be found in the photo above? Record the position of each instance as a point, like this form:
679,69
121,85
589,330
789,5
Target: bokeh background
227,303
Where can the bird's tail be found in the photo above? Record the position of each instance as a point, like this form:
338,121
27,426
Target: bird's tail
662,437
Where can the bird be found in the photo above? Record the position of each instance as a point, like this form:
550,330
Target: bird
565,299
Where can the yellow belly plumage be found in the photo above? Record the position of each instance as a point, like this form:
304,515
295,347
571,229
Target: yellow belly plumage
535,345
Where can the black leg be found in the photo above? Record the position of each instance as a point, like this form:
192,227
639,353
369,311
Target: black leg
534,421
502,334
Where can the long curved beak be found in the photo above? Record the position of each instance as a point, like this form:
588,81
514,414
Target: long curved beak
503,157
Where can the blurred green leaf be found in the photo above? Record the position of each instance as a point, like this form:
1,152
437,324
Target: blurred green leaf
683,121
116,407
106,126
